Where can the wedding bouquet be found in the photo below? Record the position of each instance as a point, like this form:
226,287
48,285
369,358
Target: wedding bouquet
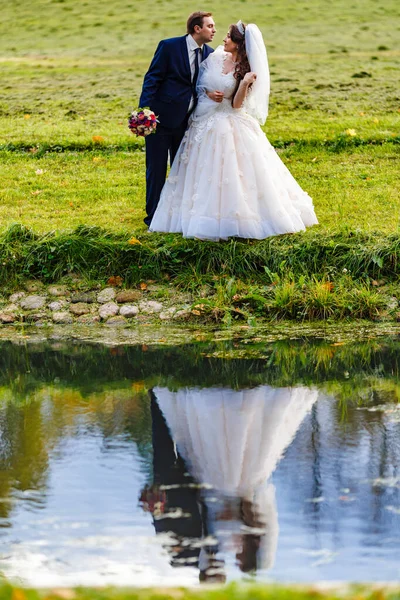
142,122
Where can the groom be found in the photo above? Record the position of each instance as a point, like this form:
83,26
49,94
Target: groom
169,89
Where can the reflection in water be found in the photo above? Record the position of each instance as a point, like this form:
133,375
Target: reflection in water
228,447
228,443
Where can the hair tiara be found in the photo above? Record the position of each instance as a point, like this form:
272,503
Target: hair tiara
240,26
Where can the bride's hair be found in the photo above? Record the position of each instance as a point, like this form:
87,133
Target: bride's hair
242,65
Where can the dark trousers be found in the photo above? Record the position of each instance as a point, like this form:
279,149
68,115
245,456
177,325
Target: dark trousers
158,146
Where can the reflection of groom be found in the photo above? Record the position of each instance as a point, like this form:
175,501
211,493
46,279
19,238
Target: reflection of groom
169,89
175,502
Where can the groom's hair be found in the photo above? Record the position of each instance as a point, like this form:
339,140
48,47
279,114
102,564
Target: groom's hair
196,18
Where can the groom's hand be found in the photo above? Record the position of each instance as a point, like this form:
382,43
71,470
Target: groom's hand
216,96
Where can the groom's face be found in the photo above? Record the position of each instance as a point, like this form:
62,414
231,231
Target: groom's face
206,33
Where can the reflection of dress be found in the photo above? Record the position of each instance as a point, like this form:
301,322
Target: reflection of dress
233,440
227,179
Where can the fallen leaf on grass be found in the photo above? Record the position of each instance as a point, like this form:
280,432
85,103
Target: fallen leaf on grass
143,286
18,594
115,280
36,192
133,241
138,386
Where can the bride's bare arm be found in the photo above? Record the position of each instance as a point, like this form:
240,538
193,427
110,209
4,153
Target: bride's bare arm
243,88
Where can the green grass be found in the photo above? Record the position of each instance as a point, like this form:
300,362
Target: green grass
76,68
232,592
60,191
70,73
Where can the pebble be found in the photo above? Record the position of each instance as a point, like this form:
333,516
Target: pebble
88,297
7,318
165,315
106,295
33,286
80,308
150,307
11,308
128,296
88,319
33,317
128,310
57,290
116,321
55,306
17,296
63,317
33,302
110,309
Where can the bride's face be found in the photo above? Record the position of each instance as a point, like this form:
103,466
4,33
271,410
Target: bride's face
229,46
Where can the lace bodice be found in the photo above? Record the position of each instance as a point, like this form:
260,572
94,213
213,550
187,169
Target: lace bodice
211,78
227,85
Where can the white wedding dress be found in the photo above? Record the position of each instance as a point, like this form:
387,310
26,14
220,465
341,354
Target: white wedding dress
233,441
226,179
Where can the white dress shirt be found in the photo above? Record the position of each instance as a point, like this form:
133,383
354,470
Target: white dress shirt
192,45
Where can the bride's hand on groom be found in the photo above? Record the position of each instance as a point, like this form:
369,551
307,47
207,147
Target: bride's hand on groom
216,96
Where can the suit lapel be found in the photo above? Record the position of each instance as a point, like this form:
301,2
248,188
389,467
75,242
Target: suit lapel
206,51
185,56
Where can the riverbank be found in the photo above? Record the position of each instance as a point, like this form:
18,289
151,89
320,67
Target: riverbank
93,276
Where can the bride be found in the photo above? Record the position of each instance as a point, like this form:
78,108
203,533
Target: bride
227,179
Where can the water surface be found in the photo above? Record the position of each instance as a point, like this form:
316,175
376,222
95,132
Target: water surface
170,466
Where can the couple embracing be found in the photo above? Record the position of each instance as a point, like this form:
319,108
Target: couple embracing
226,179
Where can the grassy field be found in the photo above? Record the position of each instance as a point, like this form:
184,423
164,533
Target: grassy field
107,188
71,71
217,593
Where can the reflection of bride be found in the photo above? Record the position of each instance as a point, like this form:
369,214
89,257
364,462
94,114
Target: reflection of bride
232,441
227,179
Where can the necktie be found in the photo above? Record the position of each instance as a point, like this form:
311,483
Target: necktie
196,68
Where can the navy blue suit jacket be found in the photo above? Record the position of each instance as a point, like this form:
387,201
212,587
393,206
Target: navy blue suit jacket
167,87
